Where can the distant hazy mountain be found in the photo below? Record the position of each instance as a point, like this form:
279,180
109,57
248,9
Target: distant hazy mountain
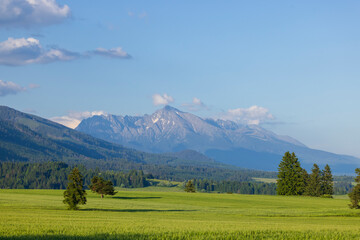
171,130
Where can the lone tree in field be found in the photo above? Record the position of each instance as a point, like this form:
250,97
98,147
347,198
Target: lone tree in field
314,183
327,181
291,176
74,193
189,187
101,186
355,193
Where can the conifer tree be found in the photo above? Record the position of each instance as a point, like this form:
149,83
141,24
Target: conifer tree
101,186
190,187
314,183
355,193
74,193
290,176
327,181
305,177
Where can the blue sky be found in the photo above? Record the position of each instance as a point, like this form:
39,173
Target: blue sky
290,66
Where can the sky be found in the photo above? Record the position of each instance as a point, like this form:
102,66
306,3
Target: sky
289,66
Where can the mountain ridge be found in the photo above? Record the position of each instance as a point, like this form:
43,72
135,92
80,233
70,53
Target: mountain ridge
29,138
171,122
169,130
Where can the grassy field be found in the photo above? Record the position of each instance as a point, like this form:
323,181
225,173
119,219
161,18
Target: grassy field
265,180
40,214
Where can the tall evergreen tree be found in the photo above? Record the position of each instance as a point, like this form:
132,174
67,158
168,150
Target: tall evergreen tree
74,193
327,181
305,177
290,176
314,183
355,193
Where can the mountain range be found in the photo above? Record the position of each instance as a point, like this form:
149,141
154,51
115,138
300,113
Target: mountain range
29,138
172,130
177,142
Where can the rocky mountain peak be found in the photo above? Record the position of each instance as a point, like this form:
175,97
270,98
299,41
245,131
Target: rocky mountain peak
169,108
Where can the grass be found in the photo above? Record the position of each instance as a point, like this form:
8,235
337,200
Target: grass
157,186
40,214
152,189
265,180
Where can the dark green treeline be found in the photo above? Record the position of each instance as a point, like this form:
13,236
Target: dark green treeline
235,187
53,175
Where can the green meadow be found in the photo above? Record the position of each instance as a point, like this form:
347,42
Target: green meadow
40,214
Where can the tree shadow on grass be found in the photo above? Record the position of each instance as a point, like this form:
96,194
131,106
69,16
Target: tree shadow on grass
134,210
136,197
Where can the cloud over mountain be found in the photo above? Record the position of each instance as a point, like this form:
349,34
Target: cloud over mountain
162,99
195,105
252,115
73,119
29,13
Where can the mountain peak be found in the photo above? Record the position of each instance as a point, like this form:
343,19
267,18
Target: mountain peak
170,108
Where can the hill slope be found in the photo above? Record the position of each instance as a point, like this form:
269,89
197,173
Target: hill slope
30,138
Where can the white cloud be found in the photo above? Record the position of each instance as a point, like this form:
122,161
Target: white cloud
197,101
252,115
28,13
112,53
23,51
162,100
195,105
7,88
66,121
73,119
